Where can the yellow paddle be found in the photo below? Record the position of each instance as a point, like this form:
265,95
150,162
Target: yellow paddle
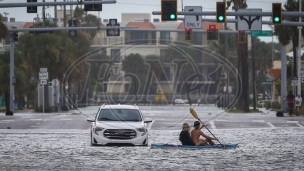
194,114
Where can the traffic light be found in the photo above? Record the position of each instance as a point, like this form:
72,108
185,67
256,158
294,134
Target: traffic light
14,35
220,12
212,33
168,10
188,34
242,36
72,23
276,13
92,7
31,9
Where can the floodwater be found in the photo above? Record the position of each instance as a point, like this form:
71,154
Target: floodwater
258,149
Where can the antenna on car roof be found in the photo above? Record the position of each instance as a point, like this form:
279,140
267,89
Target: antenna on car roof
135,105
104,104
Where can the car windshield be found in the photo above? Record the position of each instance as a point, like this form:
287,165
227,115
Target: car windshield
132,115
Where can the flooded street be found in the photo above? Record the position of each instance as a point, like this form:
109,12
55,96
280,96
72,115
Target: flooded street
279,148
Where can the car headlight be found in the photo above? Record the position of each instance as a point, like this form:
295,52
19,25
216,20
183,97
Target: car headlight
95,129
143,130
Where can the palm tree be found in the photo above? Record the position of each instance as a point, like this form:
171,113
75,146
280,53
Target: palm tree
243,103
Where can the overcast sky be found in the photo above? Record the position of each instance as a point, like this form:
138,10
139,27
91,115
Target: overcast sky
137,6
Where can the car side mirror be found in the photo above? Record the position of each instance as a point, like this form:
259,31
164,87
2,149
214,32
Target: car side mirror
148,120
91,119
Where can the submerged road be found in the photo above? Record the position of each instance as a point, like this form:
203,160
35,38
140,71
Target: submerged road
61,141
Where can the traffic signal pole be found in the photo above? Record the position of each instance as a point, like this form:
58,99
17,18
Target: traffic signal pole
29,4
286,23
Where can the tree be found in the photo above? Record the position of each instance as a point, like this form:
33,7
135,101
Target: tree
134,66
21,76
3,28
54,51
243,103
290,33
90,20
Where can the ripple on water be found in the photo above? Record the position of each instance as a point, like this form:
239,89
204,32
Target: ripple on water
259,149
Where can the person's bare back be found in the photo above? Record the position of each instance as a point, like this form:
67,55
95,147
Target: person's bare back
196,133
195,136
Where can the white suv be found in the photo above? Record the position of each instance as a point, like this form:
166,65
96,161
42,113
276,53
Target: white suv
119,125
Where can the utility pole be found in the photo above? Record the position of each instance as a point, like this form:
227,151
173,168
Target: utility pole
12,75
299,53
226,56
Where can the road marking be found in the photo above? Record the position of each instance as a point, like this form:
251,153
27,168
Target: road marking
300,125
258,121
34,126
8,120
35,119
218,120
292,121
271,125
162,119
212,125
65,119
150,125
38,123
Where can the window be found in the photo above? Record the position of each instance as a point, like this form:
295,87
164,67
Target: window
164,56
115,74
130,115
115,55
139,36
164,37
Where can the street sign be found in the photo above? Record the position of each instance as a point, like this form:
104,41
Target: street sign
193,21
261,33
249,22
43,82
43,75
112,31
294,81
43,69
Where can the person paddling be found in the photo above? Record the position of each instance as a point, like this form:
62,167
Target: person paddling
196,133
184,135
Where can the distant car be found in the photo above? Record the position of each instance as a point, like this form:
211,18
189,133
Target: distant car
180,101
119,125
